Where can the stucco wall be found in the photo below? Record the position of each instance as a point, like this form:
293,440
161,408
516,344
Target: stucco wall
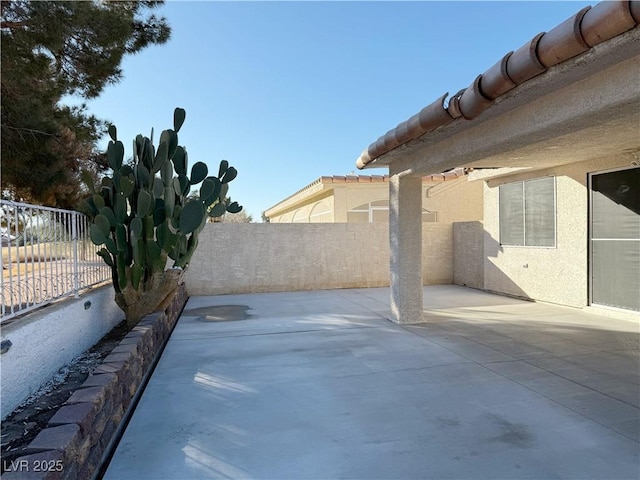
454,201
559,274
303,213
437,254
48,339
257,257
468,254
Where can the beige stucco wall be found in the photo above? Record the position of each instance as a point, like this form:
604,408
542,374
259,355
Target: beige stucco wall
559,274
453,200
437,253
263,257
342,197
303,212
468,254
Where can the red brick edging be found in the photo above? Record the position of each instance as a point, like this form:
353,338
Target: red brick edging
77,436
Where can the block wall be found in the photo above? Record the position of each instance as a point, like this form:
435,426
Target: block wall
257,257
468,254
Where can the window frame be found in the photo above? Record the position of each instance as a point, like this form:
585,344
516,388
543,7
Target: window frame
524,219
371,208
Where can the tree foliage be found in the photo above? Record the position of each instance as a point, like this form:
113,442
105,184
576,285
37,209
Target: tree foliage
49,50
242,217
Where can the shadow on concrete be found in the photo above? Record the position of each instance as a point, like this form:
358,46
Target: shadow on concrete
219,313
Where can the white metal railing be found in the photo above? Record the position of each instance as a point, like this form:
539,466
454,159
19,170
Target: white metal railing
46,255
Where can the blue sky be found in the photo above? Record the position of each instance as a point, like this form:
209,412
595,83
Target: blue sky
290,91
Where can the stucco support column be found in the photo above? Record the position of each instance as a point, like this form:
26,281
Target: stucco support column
405,237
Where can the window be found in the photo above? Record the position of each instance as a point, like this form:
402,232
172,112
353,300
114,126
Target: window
322,212
378,212
300,217
528,213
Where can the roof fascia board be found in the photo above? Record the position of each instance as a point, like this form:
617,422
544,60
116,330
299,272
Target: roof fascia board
298,198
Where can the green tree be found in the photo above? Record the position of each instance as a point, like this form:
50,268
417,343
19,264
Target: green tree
242,217
49,50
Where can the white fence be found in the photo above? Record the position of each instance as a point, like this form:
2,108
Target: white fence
46,255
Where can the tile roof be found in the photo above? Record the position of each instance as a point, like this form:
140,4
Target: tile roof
582,31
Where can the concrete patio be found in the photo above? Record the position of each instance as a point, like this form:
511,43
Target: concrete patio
321,385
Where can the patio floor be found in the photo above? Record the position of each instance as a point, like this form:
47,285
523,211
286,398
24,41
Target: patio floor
321,385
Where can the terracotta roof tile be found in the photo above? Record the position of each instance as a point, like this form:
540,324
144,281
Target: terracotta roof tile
634,7
496,81
605,21
523,65
563,42
472,101
454,105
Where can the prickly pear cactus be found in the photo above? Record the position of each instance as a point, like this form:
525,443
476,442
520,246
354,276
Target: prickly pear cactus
147,216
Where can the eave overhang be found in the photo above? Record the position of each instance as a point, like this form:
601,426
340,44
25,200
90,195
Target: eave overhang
580,79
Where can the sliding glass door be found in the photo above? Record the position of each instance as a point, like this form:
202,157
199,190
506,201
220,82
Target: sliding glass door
615,239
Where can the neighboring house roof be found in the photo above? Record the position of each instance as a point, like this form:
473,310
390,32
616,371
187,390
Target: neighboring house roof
575,36
327,183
